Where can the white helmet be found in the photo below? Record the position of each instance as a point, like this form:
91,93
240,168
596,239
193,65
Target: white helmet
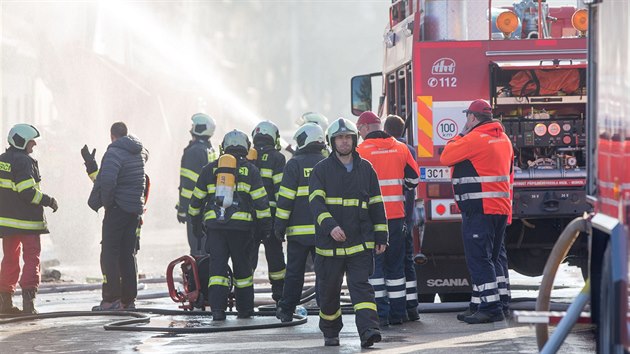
268,128
313,117
236,139
309,133
203,125
21,134
342,126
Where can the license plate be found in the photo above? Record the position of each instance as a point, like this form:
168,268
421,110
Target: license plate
435,173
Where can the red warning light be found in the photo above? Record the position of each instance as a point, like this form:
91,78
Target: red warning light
440,209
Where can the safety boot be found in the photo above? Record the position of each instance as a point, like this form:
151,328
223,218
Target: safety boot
28,296
331,341
369,337
218,315
412,314
484,317
462,315
283,316
6,305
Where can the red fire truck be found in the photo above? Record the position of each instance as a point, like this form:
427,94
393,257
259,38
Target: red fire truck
529,59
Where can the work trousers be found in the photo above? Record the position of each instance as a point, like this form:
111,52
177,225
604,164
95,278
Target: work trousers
223,245
118,259
483,236
297,254
330,272
389,279
275,263
12,246
410,270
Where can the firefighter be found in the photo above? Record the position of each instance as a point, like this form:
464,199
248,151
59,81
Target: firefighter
481,160
228,195
22,219
271,163
197,154
395,126
347,207
397,171
293,214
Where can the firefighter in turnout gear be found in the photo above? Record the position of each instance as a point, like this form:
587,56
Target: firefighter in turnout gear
293,214
22,219
397,171
271,163
197,154
350,224
228,197
481,160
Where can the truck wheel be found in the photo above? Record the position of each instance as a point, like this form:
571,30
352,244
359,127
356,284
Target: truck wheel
528,261
455,297
426,298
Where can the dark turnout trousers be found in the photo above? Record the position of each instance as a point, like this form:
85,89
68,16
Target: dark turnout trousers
330,272
275,264
222,245
297,255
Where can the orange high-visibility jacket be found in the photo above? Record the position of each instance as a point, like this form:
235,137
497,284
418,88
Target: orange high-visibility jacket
482,169
395,168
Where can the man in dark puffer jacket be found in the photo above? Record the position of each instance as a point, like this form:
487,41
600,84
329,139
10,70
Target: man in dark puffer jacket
119,188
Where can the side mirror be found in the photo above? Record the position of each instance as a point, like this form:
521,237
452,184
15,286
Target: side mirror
361,93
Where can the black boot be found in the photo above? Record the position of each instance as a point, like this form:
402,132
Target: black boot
6,305
28,295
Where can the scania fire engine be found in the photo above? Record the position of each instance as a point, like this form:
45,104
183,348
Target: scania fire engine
528,59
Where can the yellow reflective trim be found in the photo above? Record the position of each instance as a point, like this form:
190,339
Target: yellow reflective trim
302,191
279,275
323,216
272,203
243,187
210,214
364,205
283,214
261,214
350,202
191,175
266,173
353,249
369,245
22,224
365,306
212,155
380,227
258,193
286,192
7,183
334,201
330,317
324,252
199,194
376,199
315,193
277,178
243,283
93,175
218,280
25,184
244,216
186,193
211,188
297,230
194,211
37,198
5,166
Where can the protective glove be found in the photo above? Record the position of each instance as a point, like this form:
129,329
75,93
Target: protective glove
89,159
279,235
181,217
53,204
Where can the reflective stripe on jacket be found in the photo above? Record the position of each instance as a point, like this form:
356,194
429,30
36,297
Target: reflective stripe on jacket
21,200
271,163
396,168
197,154
482,166
293,215
351,200
250,200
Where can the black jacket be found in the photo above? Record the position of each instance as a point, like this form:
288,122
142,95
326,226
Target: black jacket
271,163
250,200
293,215
21,201
197,154
351,200
120,180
